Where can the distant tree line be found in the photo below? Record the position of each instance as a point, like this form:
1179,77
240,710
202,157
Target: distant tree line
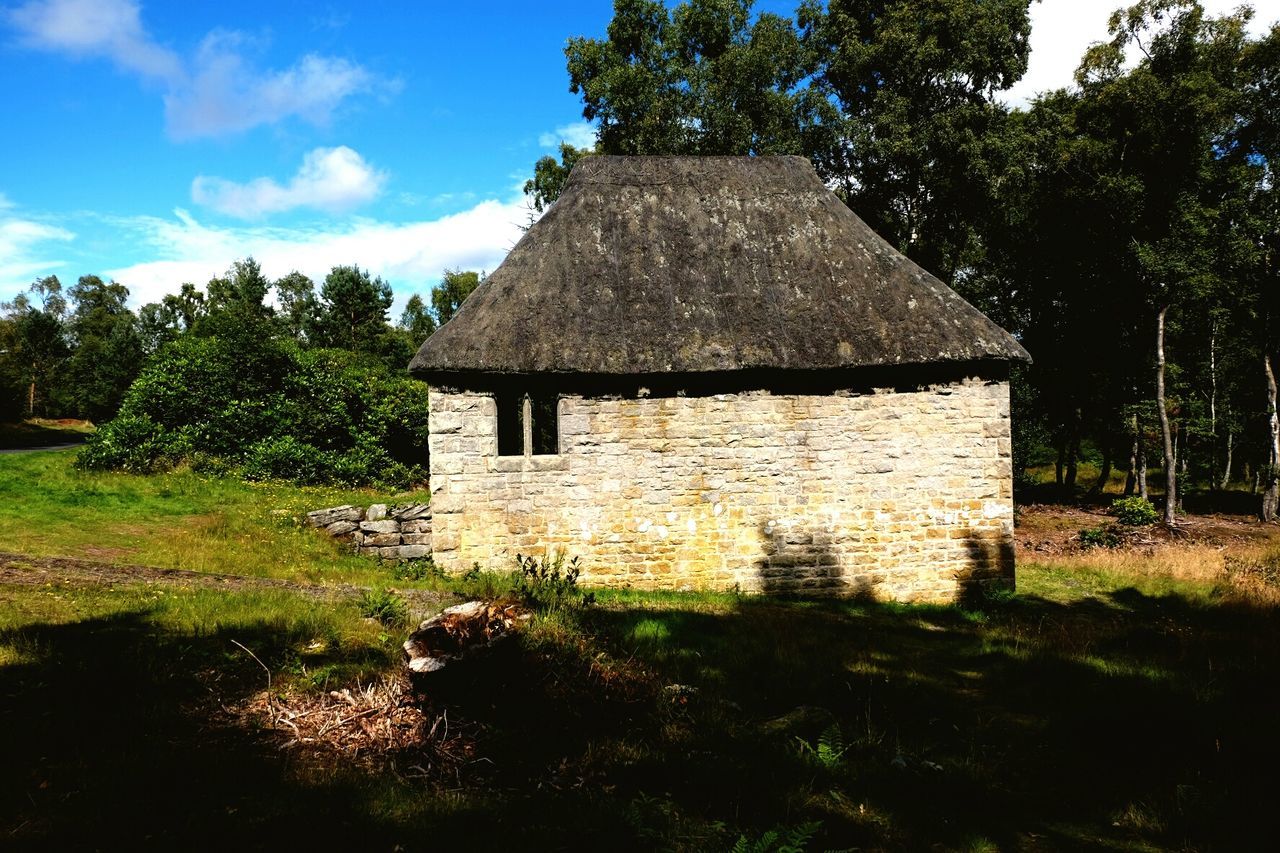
1126,229
311,388
73,352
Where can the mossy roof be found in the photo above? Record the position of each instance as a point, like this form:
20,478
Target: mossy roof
651,265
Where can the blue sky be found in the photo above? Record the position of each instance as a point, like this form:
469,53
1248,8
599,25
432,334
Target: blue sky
157,142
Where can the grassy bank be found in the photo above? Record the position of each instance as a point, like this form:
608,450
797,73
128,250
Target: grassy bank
177,520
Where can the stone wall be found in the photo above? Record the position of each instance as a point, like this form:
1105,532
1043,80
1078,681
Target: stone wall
389,532
896,494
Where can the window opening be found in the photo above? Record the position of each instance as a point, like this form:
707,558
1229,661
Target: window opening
544,429
528,425
510,424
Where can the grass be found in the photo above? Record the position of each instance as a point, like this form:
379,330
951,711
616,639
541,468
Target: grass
40,432
179,520
1119,700
1096,708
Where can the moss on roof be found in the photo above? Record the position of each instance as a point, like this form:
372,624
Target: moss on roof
705,264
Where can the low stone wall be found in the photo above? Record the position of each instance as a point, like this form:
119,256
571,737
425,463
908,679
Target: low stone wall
389,532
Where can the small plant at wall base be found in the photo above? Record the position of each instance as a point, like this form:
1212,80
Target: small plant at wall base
550,583
1134,511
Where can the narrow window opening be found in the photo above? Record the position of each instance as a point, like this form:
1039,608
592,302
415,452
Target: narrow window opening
544,429
510,424
528,425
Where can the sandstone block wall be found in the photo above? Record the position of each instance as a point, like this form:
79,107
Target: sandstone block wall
389,532
903,495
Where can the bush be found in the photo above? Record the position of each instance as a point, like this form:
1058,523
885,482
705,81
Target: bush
285,458
549,584
1099,537
272,410
1135,511
133,443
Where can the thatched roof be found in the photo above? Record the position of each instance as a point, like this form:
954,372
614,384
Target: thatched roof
655,265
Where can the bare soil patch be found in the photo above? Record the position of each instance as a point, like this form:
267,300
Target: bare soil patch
1047,529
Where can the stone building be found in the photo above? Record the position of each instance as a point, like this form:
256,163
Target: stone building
708,373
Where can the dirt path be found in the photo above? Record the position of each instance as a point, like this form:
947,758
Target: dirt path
23,570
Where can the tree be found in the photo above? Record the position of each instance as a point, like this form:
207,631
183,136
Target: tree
37,340
108,350
352,310
296,295
916,147
235,303
187,306
549,176
447,296
1169,122
417,320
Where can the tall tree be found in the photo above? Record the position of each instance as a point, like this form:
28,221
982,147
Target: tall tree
107,347
417,320
296,296
918,129
447,296
352,310
38,340
1168,122
700,79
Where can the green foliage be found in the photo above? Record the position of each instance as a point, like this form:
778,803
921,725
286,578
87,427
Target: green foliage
447,297
1135,511
416,570
783,839
417,320
279,412
129,442
352,310
385,606
284,458
1103,536
550,583
828,752
549,176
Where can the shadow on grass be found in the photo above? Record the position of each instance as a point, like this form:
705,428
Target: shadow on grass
110,742
1032,723
1023,724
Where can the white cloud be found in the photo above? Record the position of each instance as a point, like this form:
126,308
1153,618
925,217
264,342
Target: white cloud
580,134
24,249
1061,31
331,179
219,90
411,255
107,28
226,94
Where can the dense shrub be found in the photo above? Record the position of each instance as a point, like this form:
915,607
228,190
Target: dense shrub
270,410
1135,511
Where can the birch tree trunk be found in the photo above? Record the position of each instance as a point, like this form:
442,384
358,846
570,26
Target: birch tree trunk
1271,497
1226,468
1170,463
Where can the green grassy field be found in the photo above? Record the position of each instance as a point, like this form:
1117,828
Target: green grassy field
1124,703
180,520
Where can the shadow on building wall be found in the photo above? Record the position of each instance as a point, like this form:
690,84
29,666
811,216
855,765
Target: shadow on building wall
803,561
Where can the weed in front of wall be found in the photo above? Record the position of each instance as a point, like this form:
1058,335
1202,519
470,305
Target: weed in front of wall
550,583
385,606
